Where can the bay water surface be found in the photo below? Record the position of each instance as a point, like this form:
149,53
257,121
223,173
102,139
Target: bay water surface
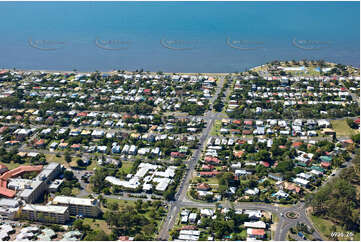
175,36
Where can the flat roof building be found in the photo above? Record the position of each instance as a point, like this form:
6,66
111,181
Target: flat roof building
47,213
31,193
79,206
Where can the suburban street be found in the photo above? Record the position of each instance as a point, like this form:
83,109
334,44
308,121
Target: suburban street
183,187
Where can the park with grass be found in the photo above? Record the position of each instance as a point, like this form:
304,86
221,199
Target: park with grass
342,129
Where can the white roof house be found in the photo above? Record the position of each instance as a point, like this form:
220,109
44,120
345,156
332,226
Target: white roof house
252,192
253,214
189,235
257,225
192,217
301,181
98,133
207,212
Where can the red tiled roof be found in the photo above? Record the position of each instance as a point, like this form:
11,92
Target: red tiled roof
126,116
257,231
189,227
20,170
237,122
12,173
292,187
296,144
7,192
176,154
123,238
40,142
208,173
248,122
14,141
211,159
82,114
203,186
325,164
238,154
348,141
3,129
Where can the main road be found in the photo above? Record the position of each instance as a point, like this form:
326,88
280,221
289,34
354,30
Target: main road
175,206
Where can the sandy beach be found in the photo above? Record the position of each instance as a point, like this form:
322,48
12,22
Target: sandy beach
113,71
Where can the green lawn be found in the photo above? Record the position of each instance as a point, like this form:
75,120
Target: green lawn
75,191
92,165
211,180
121,203
126,166
61,160
342,129
13,165
98,224
54,158
216,127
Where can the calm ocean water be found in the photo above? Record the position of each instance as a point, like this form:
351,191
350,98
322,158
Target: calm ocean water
175,36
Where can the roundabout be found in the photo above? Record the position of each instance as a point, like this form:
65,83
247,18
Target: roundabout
292,215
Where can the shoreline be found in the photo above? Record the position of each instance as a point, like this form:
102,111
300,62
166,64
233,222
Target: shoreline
112,71
152,72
